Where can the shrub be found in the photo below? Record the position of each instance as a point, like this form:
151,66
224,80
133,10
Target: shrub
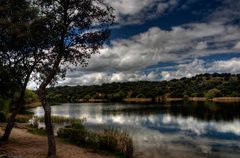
213,93
124,142
74,135
22,119
78,125
35,130
3,116
108,142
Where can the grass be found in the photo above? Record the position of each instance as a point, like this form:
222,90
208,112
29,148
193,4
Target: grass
34,130
22,119
109,140
60,119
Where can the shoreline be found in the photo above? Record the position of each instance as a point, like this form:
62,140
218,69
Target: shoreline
166,100
159,100
27,145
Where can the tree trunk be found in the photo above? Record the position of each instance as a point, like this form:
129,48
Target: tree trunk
48,123
17,107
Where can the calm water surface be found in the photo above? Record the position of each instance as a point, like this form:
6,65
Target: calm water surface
191,130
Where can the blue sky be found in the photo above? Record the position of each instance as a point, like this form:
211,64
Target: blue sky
165,39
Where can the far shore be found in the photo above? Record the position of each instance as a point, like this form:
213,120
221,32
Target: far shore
197,99
156,100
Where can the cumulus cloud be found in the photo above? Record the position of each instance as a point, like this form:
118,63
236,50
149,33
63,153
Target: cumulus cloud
98,78
237,46
230,66
135,11
200,66
185,70
157,45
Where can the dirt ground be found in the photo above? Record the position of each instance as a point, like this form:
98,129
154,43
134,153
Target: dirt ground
27,145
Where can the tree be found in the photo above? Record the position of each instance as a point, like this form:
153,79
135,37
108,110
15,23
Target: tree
78,29
213,93
20,42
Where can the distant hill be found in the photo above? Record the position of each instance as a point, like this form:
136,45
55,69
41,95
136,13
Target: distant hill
204,85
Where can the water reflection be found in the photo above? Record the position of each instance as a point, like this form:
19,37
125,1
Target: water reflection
192,130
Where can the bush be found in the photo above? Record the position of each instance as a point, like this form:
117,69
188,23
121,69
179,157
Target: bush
78,125
213,93
77,136
30,97
124,142
3,116
34,130
22,119
108,142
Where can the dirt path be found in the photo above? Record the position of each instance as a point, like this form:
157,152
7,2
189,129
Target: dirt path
28,145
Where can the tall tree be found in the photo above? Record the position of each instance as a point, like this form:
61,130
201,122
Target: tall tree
80,29
20,44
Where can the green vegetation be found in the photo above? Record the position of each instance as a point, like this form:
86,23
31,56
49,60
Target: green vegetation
6,102
4,109
30,97
34,130
107,140
60,119
204,85
213,93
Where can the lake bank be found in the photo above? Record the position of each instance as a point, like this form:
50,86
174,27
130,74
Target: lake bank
27,145
167,99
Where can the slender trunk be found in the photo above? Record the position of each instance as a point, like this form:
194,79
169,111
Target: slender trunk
48,123
47,109
17,107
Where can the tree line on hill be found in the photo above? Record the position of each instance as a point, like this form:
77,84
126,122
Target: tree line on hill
204,85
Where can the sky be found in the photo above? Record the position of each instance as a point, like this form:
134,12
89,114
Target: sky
156,40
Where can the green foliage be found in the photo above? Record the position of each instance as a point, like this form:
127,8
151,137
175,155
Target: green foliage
78,125
35,130
22,119
213,93
4,104
197,86
4,109
60,119
30,97
3,116
108,142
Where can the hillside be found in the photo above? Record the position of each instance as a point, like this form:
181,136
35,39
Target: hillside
204,85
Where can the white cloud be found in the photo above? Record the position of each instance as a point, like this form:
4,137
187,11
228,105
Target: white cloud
98,78
135,11
157,45
201,45
200,66
230,66
237,46
185,70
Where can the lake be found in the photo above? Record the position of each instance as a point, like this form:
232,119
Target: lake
176,130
